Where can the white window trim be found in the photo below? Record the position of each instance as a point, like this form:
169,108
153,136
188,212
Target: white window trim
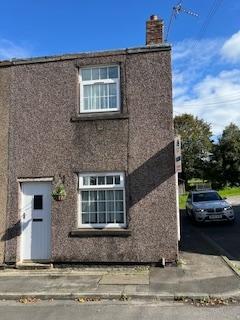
121,186
90,82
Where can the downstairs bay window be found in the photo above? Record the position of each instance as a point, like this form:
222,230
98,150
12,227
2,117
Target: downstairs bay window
102,200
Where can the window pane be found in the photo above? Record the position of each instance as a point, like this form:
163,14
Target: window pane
119,195
85,181
103,90
117,179
85,195
102,206
101,180
87,91
112,102
110,206
110,217
102,103
106,102
93,195
119,206
86,74
109,179
102,217
85,207
112,89
93,217
119,217
113,72
95,74
97,105
85,218
103,73
86,104
101,195
109,195
93,181
38,202
96,96
93,207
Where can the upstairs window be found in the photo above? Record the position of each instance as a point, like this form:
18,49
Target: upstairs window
99,89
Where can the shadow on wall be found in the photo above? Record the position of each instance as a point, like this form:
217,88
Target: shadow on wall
14,231
141,182
151,174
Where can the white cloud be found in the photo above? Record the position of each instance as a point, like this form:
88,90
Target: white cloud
231,48
9,50
217,100
190,60
206,85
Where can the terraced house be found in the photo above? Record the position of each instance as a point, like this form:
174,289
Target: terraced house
87,156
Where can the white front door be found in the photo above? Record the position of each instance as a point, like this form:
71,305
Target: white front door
36,221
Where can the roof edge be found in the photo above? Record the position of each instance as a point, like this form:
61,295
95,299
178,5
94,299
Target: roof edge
74,56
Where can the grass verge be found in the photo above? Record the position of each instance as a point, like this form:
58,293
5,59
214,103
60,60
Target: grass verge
226,192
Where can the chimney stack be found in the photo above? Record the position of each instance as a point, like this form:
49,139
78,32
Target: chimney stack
154,31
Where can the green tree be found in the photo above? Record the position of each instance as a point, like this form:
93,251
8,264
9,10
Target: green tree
196,144
229,155
214,169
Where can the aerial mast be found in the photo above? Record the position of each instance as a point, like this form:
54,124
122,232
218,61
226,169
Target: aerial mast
176,10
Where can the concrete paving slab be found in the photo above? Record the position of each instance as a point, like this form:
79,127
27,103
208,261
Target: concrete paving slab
109,289
200,266
49,284
135,289
119,279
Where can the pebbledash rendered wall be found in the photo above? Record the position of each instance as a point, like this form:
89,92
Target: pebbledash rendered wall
47,137
5,81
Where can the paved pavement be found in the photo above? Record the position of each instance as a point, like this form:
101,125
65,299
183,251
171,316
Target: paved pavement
201,272
105,311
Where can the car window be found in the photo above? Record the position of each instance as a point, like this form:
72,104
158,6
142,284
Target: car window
206,196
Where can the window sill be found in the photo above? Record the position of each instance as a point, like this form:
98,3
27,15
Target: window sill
100,116
100,232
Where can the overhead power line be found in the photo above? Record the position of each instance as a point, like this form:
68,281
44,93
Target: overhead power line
234,95
213,104
213,9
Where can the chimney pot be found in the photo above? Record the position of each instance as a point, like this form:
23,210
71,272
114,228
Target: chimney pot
153,17
154,31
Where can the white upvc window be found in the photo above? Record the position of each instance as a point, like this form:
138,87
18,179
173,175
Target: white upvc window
102,200
99,89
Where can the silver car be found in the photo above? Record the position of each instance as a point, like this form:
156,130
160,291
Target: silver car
207,205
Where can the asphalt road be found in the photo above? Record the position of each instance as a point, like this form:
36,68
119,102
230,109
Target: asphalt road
106,311
225,235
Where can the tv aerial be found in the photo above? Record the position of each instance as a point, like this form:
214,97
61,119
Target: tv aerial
176,10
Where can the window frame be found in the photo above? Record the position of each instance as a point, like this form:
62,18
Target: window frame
100,81
82,187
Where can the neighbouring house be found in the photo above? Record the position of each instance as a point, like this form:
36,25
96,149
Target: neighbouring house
98,127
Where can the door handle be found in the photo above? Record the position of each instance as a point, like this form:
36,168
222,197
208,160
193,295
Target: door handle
24,215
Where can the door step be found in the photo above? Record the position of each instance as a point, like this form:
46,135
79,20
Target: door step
33,266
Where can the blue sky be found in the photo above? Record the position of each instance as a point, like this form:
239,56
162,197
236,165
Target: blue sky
206,66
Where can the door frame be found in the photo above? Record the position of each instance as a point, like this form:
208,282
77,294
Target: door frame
20,197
